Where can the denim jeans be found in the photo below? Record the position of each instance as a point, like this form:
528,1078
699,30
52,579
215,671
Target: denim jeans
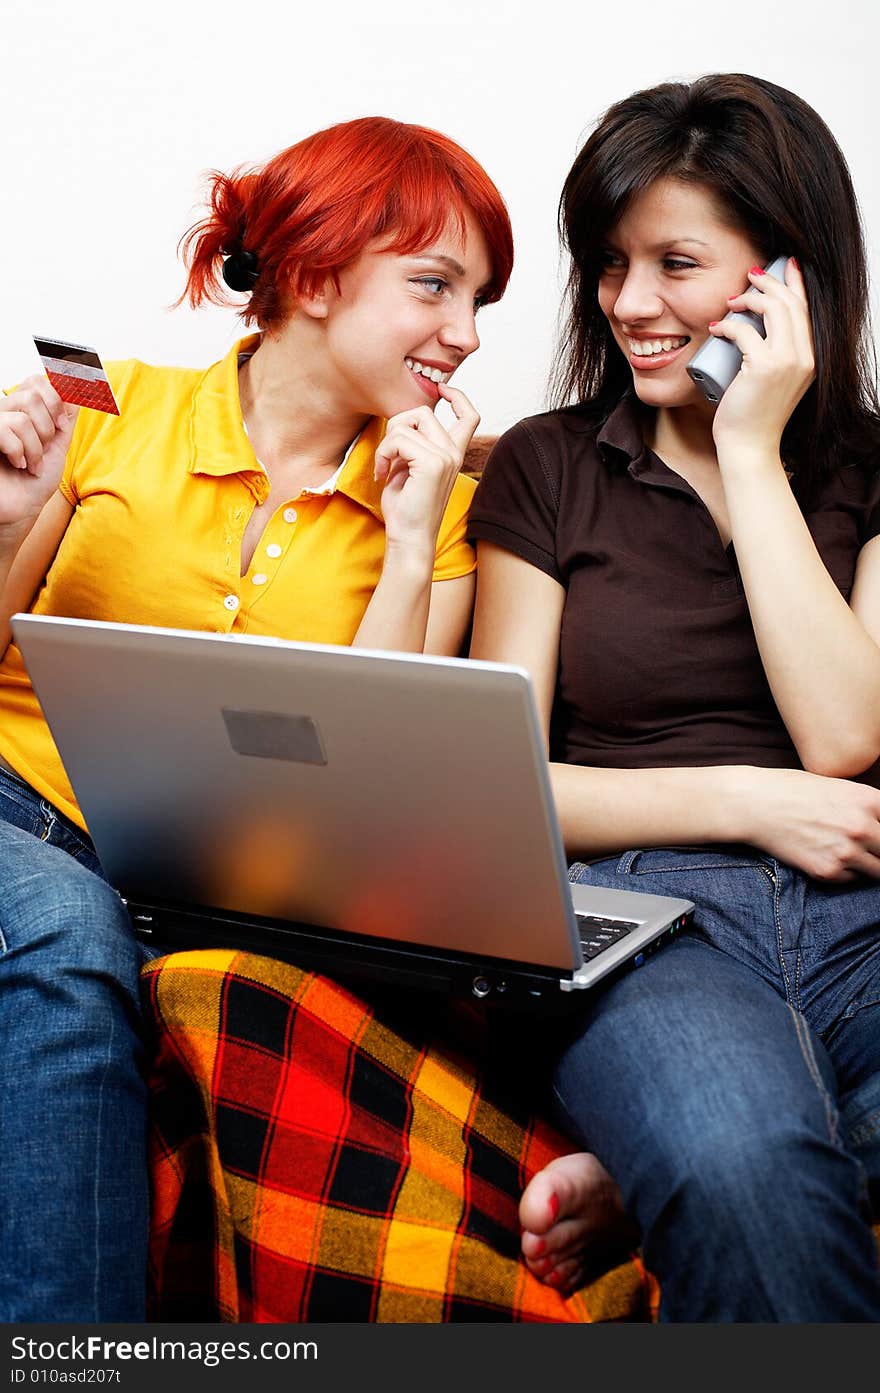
73,1190
731,1086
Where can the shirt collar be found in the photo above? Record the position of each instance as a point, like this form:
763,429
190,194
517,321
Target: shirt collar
355,478
621,435
621,441
218,442
220,446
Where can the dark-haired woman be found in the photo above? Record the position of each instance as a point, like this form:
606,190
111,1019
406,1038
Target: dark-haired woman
696,592
302,487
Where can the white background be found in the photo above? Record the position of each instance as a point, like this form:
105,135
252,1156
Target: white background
112,114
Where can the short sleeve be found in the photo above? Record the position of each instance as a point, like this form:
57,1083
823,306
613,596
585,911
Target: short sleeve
517,500
89,427
66,484
454,555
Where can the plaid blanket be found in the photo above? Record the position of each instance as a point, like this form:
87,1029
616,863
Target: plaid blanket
316,1158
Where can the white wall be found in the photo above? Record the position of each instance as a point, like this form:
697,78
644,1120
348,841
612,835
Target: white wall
110,114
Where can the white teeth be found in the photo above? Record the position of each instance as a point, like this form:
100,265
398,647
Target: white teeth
645,348
434,374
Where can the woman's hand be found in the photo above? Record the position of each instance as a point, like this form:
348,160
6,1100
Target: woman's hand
829,828
419,460
776,371
35,430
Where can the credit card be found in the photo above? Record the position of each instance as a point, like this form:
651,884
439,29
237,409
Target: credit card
77,374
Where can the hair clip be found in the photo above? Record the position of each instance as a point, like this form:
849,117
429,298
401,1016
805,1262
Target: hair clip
241,270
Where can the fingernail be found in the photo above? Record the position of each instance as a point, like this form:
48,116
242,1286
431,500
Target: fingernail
795,263
756,270
539,1248
713,322
554,1207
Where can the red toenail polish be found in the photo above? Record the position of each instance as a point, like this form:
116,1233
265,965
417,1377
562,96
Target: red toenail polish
554,1207
540,1248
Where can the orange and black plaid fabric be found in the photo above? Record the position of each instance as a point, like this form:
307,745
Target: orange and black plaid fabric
312,1161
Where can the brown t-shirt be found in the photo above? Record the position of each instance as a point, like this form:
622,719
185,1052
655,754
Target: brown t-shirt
658,665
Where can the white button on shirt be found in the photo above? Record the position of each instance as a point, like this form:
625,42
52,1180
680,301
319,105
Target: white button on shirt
289,515
273,549
231,602
259,578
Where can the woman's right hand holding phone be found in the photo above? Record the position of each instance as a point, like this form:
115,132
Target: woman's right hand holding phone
35,431
776,370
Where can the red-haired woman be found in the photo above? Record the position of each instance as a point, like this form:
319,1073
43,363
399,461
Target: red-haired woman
301,487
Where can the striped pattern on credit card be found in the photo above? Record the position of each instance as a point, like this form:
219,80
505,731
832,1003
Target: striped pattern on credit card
77,374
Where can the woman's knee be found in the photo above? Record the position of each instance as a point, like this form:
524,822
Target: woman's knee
699,1096
51,904
752,1154
781,1173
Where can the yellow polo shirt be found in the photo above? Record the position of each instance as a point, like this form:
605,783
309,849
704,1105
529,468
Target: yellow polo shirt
162,495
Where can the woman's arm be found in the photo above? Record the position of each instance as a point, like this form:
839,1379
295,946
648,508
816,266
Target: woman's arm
828,827
450,614
30,562
410,614
821,657
419,462
35,431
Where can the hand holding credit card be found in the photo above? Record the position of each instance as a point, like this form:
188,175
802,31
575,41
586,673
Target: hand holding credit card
77,374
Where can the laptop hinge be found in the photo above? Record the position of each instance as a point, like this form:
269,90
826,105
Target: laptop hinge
349,956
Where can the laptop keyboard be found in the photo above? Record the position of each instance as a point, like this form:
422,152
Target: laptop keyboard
597,933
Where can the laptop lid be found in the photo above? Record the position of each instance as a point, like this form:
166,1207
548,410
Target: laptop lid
375,794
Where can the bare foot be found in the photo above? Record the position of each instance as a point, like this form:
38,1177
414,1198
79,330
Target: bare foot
573,1222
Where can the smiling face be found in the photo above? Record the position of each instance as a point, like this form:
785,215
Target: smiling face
402,323
670,264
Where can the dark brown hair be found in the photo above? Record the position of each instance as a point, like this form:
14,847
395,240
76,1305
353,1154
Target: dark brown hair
776,170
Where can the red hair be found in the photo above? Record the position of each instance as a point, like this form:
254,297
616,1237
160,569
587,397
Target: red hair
314,207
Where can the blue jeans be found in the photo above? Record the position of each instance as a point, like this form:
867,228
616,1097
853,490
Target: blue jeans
732,1087
73,1188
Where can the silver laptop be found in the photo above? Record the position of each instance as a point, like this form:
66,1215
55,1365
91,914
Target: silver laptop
349,810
